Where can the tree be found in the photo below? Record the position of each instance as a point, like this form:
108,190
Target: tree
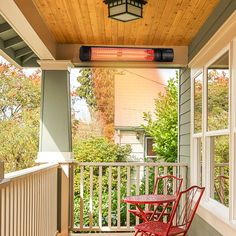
19,117
217,99
97,88
163,128
86,88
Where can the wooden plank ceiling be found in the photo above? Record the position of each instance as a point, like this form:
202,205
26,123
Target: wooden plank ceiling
165,22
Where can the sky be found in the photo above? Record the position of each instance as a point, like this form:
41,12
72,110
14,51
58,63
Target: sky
80,106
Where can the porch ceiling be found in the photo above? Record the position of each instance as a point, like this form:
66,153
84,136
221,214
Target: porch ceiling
174,22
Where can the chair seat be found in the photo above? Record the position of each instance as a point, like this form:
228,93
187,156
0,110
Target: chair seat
147,212
158,228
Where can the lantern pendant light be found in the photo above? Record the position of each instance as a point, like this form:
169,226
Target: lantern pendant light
125,10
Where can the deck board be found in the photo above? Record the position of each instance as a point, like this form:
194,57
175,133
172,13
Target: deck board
102,234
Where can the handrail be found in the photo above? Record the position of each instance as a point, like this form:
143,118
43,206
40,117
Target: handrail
221,164
164,164
29,171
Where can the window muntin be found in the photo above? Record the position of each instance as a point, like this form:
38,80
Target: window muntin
199,153
198,92
218,94
220,165
197,146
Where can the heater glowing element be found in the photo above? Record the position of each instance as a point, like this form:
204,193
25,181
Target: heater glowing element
119,54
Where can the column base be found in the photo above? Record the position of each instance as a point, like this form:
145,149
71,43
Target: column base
55,157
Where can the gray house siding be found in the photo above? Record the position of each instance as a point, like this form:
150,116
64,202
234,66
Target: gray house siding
184,115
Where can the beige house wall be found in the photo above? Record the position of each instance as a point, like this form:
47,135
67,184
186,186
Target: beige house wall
135,91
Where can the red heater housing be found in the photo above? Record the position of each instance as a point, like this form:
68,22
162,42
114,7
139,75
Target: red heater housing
88,53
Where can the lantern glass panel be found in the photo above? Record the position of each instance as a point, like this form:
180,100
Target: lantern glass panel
125,17
117,10
134,10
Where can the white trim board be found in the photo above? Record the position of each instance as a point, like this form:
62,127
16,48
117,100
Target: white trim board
54,157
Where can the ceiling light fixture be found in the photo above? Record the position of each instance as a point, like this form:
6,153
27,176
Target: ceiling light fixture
90,53
125,10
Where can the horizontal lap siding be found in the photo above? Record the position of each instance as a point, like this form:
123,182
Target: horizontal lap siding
184,115
137,144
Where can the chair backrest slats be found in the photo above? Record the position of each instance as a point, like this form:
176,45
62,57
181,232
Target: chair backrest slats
184,213
168,184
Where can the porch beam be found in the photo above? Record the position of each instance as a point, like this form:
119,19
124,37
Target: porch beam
13,42
5,27
23,51
32,62
9,54
28,57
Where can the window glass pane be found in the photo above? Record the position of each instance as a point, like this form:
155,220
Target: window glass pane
150,151
218,92
220,161
198,88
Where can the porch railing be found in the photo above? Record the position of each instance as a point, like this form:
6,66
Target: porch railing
28,202
98,189
220,182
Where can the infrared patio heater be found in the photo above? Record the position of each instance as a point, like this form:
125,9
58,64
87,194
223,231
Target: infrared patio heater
125,54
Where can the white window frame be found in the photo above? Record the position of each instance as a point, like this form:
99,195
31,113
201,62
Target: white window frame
217,215
228,214
208,141
196,136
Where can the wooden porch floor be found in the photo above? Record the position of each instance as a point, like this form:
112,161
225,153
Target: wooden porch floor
102,234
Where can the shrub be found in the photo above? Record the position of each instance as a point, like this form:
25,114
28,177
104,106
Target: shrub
98,149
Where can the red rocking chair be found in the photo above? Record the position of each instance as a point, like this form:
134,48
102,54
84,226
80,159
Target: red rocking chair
168,184
181,217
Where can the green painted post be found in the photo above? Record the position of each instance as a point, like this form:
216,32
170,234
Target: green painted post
55,127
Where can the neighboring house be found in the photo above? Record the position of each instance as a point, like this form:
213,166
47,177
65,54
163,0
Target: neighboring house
130,104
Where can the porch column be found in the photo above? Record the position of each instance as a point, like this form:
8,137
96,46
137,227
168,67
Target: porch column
55,131
55,123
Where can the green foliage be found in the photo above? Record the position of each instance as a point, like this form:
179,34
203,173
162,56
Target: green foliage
198,91
97,87
163,128
19,117
217,100
86,90
99,149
